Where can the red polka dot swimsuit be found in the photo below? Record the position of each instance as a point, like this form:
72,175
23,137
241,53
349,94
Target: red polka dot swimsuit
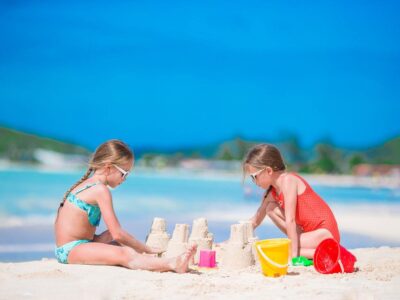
312,212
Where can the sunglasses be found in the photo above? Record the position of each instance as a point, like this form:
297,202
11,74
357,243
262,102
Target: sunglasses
255,174
123,172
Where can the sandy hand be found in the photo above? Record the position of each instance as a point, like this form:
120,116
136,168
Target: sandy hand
181,263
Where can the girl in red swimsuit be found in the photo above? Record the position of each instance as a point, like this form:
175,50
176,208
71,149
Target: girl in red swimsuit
289,201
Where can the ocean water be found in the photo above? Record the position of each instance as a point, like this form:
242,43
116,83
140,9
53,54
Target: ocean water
29,200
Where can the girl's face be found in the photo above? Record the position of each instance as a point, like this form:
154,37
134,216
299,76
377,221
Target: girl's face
261,177
118,173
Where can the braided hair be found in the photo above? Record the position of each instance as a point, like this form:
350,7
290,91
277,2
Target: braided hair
110,152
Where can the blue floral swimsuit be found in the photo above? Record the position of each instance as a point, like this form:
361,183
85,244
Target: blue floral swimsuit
94,216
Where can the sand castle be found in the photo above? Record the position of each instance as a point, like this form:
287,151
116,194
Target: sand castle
251,238
238,252
249,233
158,236
179,241
201,237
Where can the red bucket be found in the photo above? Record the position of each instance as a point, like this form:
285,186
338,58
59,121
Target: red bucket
330,257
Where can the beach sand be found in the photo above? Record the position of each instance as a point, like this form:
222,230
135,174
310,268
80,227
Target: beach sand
378,277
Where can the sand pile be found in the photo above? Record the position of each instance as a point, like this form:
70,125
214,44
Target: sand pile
201,237
158,236
179,241
238,252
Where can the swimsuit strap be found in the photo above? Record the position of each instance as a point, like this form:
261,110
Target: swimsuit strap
85,187
278,196
302,179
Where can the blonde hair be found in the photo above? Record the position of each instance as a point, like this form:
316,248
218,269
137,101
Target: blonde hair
262,156
111,152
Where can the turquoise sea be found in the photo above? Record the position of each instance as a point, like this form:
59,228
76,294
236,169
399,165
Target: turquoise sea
29,200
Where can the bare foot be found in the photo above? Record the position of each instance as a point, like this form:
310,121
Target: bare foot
181,263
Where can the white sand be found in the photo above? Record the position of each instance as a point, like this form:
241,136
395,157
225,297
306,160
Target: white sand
378,278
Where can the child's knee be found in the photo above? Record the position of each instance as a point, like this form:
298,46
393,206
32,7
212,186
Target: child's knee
325,234
107,236
128,254
104,237
273,212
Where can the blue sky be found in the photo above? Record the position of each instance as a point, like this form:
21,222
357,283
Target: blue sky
173,73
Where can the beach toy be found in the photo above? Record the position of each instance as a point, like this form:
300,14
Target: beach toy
330,257
274,256
301,261
207,259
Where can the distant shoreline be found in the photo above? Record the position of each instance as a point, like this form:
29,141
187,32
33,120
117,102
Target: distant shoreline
339,180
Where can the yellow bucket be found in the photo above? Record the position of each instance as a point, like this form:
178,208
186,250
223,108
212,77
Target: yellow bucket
274,256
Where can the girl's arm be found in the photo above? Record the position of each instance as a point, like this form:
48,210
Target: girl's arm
261,211
289,189
118,234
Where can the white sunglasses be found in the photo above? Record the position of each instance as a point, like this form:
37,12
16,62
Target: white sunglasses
255,174
124,173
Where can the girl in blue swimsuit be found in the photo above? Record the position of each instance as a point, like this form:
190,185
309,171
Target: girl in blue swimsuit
87,201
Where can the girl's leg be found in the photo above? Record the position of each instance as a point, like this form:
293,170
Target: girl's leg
104,237
309,241
104,254
178,264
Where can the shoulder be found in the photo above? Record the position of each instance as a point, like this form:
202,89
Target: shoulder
289,181
101,192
